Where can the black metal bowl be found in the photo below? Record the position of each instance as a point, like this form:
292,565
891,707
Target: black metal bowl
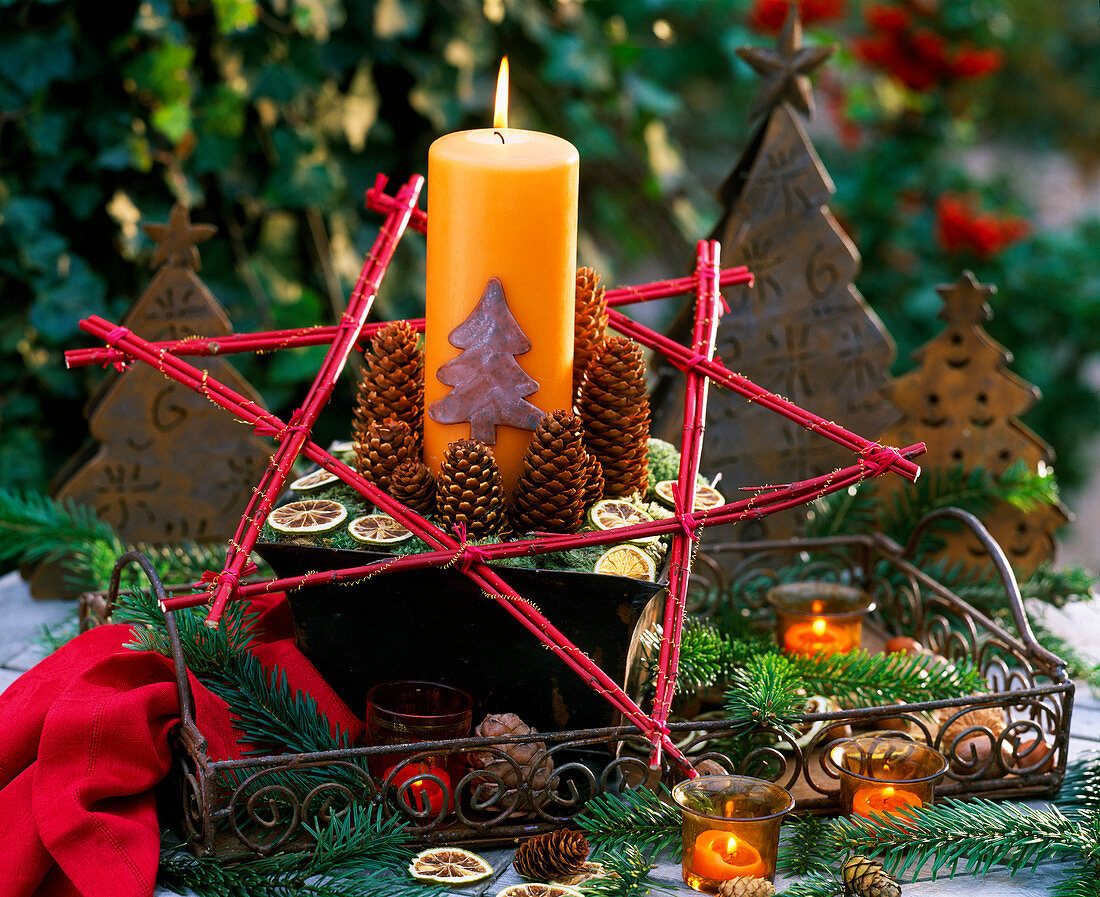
436,624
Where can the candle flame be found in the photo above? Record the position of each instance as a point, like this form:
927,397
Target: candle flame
888,791
500,107
818,627
731,845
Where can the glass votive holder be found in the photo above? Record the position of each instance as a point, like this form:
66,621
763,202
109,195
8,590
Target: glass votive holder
410,711
886,776
730,828
818,617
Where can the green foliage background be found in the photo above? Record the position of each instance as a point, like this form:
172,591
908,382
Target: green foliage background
271,118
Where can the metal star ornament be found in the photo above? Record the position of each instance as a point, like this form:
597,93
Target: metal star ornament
785,70
177,239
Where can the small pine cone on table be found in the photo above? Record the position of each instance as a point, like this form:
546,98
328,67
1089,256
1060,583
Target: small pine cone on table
384,446
589,323
746,887
524,763
615,412
549,496
551,855
865,877
393,380
469,489
413,484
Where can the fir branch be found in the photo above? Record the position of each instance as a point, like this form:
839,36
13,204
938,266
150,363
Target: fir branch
986,592
639,818
862,678
767,691
268,712
1081,785
628,875
36,528
1026,489
807,848
817,884
360,841
941,487
852,510
1083,882
707,656
977,835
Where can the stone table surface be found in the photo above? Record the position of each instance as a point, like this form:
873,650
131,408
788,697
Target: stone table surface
24,641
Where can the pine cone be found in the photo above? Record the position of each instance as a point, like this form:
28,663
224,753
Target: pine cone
746,887
469,489
593,484
393,380
615,412
864,877
533,762
549,495
551,854
413,484
384,446
589,323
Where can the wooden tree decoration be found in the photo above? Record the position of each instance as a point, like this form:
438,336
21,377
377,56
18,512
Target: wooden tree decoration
964,403
803,332
142,479
489,385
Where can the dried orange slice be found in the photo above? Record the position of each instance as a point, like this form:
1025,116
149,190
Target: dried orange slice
586,873
378,529
611,513
706,497
315,480
627,560
539,889
449,866
310,515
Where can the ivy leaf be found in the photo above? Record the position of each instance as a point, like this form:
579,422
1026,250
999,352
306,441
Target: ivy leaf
164,72
32,61
63,299
235,15
173,120
571,63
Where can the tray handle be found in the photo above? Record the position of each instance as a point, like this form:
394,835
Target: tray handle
183,685
1000,562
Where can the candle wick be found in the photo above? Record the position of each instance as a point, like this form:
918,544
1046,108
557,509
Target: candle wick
501,136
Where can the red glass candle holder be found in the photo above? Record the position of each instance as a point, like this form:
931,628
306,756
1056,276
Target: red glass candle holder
818,617
886,776
730,828
410,711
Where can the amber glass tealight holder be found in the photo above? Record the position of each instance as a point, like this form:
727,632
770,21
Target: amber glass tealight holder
730,828
886,776
818,617
411,711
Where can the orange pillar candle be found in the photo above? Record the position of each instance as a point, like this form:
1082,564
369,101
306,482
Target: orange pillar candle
884,801
816,637
502,203
720,856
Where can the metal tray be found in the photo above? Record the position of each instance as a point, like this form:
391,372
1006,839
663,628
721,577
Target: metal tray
229,807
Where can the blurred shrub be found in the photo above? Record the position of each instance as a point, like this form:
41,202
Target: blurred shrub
271,118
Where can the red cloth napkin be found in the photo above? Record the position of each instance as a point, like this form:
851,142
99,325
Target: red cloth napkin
84,738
